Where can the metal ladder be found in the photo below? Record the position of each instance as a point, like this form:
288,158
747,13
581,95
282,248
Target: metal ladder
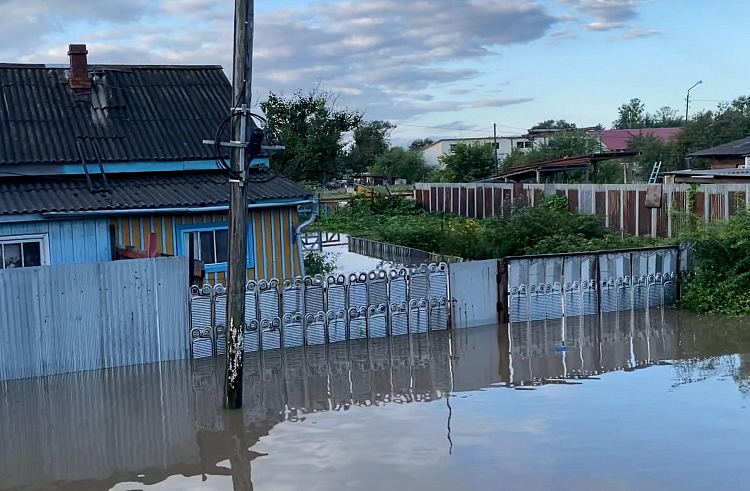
655,173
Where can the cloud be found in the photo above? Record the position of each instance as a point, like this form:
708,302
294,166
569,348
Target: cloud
563,35
607,10
376,53
603,26
637,34
501,102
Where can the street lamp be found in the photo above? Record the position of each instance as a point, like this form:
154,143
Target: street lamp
687,108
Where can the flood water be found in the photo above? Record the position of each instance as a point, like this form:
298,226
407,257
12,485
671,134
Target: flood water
648,401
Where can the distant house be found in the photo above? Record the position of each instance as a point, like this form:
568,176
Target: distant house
95,159
732,155
503,147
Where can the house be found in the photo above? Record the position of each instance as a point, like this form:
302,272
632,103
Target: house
732,155
94,158
503,146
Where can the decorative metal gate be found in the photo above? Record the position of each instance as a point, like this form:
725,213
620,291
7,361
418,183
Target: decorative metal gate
319,310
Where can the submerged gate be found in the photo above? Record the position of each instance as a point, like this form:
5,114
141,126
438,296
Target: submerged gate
319,310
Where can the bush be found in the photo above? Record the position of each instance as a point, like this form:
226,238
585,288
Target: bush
543,230
317,263
721,284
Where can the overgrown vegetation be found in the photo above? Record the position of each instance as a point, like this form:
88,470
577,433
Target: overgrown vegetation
527,230
721,284
319,263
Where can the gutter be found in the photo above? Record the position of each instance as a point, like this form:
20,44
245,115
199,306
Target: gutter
298,237
147,211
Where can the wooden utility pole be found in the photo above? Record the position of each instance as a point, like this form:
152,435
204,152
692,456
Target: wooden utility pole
244,14
495,148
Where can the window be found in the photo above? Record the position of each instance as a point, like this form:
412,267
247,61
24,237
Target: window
453,146
496,145
526,144
211,244
24,251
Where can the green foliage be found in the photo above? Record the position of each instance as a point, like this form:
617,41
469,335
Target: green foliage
551,124
311,128
421,143
560,145
401,164
466,163
546,229
372,139
633,115
317,263
721,284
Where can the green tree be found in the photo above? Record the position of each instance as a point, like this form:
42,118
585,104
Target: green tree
551,124
666,117
399,163
311,128
372,139
421,143
560,145
466,163
631,115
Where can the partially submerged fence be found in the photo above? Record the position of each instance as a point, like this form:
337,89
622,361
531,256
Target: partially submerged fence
78,317
319,310
636,209
397,254
572,285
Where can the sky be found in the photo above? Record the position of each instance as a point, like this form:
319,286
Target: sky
437,68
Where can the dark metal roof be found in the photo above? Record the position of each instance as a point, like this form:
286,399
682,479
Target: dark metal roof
738,148
528,171
135,113
123,192
729,173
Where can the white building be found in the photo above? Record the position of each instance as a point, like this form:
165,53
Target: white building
504,145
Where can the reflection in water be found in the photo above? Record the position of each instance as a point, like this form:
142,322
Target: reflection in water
161,426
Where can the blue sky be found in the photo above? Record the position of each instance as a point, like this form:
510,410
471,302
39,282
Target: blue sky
440,63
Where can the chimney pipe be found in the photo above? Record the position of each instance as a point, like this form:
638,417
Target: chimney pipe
79,67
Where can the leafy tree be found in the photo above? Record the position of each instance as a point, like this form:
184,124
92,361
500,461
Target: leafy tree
561,145
421,143
666,117
311,128
551,124
631,115
399,163
372,139
467,162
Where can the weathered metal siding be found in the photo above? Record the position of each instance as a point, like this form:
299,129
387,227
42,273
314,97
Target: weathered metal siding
70,318
621,206
474,293
70,241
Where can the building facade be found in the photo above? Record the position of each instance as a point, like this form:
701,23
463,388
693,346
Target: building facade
503,146
96,160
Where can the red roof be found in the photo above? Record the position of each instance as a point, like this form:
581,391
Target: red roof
619,139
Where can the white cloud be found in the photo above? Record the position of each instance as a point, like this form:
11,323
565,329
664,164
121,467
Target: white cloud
501,102
637,33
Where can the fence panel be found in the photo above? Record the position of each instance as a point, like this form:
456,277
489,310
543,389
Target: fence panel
474,293
70,318
627,280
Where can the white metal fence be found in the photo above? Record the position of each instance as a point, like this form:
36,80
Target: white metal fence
319,310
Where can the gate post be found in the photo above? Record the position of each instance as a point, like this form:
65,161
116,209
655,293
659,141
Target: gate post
502,292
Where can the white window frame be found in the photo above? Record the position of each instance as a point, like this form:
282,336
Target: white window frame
43,240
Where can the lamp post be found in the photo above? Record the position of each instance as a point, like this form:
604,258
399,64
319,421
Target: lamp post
687,107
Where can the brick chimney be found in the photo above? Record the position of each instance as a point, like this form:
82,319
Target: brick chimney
79,67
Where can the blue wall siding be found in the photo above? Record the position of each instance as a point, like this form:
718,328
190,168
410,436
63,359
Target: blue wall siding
70,241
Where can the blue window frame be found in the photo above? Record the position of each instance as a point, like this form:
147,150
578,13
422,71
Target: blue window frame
211,244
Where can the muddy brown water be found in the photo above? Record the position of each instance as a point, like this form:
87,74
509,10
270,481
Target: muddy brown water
643,401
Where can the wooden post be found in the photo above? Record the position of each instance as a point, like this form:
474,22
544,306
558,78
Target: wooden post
503,316
244,14
191,260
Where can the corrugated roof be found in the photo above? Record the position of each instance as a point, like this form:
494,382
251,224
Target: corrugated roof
738,148
710,173
620,139
44,194
135,113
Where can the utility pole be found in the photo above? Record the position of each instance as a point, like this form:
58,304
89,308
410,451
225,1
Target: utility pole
244,14
495,148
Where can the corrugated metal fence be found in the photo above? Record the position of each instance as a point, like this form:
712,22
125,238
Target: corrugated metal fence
319,310
623,207
573,285
71,318
397,254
